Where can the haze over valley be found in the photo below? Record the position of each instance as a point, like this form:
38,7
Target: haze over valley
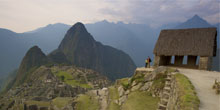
109,55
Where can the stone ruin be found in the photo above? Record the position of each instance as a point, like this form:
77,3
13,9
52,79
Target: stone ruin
216,87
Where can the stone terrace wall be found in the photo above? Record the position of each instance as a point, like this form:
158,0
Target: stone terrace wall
169,99
173,103
173,94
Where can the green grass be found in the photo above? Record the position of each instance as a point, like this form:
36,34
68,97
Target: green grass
113,95
159,81
61,101
124,82
38,103
138,78
140,100
69,79
86,102
188,98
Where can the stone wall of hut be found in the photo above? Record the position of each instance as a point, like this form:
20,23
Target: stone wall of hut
205,63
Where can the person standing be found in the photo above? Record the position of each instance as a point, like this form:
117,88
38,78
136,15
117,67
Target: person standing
148,62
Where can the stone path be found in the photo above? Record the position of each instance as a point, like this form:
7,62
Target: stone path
102,96
203,82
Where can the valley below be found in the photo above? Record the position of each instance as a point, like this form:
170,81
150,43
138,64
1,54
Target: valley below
72,88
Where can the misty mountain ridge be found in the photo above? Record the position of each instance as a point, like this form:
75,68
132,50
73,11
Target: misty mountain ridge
135,39
80,49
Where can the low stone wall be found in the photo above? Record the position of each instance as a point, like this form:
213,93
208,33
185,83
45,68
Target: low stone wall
171,98
173,103
166,99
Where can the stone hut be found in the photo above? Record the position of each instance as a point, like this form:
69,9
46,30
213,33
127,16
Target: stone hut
194,44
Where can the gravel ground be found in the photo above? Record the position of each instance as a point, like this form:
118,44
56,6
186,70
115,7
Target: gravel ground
203,82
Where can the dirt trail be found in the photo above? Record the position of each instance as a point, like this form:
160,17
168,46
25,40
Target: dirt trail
102,96
203,81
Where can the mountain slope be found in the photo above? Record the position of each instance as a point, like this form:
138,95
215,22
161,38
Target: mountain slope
134,39
33,59
82,50
12,47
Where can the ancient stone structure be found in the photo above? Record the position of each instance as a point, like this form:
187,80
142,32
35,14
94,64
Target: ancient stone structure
165,98
216,87
199,45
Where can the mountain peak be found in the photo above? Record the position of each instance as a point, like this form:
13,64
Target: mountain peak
75,35
196,16
34,48
78,27
35,51
194,22
80,48
33,58
78,24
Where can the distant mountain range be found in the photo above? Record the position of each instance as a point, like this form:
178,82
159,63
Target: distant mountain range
78,48
135,39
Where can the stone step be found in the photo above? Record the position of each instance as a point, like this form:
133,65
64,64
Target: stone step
168,78
162,107
164,101
169,75
165,95
167,88
167,83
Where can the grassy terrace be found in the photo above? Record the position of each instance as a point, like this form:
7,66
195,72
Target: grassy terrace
61,101
140,100
69,79
113,95
188,98
38,103
86,102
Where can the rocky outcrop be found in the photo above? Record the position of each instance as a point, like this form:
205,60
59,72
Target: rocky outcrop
216,86
142,80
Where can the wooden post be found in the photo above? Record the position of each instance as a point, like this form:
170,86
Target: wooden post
178,60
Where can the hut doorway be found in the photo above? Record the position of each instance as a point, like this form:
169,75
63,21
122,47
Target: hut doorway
179,61
191,60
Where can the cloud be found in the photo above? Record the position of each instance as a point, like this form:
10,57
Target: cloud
158,12
23,15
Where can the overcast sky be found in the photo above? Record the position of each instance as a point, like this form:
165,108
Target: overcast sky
25,15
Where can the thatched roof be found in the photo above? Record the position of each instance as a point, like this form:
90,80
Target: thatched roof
197,42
